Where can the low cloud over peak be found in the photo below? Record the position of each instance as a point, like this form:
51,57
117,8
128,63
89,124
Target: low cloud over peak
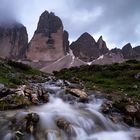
117,20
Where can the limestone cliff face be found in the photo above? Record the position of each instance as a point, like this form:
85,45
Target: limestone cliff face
131,53
13,41
102,46
85,48
47,43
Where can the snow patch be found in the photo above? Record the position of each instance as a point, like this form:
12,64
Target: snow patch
101,57
72,56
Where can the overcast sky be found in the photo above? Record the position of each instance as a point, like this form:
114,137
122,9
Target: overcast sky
117,20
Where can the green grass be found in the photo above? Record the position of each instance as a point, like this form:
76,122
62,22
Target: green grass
115,78
14,73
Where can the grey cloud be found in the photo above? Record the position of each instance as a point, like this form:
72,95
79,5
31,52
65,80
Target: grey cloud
118,21
8,11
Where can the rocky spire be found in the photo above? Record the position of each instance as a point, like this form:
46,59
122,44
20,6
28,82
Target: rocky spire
127,51
48,42
102,46
48,23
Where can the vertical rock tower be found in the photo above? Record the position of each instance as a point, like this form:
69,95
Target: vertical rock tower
13,41
47,43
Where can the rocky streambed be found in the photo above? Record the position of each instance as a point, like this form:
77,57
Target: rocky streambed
59,110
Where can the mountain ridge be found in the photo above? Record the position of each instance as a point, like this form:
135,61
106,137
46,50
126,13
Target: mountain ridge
50,43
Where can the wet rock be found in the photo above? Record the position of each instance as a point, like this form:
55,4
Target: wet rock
114,119
20,90
17,136
137,137
28,92
107,107
130,110
65,126
129,120
77,93
13,102
34,99
122,103
6,91
138,117
32,120
1,86
45,98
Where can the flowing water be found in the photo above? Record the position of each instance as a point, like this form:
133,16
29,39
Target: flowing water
64,119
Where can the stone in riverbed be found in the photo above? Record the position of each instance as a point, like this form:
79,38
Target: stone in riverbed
130,110
65,126
20,90
77,93
107,107
32,120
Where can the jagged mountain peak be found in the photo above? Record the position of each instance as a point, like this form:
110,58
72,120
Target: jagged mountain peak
102,46
48,23
49,40
127,46
86,37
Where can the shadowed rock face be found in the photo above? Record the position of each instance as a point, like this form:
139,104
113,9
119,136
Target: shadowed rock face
102,46
85,48
137,52
116,51
131,53
48,24
47,43
127,51
66,42
13,41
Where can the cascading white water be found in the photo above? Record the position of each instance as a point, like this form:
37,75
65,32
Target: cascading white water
85,122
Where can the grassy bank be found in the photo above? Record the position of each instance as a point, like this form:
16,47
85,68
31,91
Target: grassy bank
14,73
115,78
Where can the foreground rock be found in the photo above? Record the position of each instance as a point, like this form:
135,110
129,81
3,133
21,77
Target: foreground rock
23,96
65,126
78,93
129,111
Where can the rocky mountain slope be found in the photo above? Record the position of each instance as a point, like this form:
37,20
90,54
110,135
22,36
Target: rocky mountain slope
67,61
13,41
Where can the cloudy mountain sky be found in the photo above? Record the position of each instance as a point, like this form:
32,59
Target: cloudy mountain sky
117,20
